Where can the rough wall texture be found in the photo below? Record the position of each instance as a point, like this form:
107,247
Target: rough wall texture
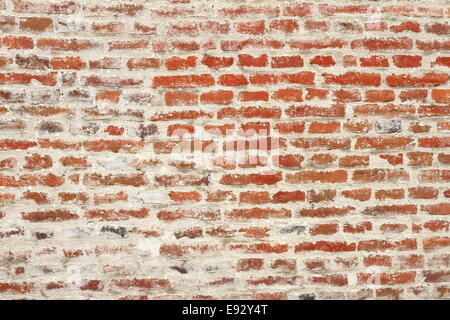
224,149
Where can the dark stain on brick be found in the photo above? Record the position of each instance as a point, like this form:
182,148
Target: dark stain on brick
50,126
32,62
121,231
148,130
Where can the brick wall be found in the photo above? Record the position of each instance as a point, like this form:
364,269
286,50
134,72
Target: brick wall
224,149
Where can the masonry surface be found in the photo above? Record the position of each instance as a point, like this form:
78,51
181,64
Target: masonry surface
188,149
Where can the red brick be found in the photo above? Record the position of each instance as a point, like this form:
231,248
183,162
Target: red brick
284,25
143,63
68,63
424,80
404,61
383,44
246,60
217,62
188,81
217,97
12,42
288,95
177,63
323,61
374,61
36,24
255,27
353,78
287,62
